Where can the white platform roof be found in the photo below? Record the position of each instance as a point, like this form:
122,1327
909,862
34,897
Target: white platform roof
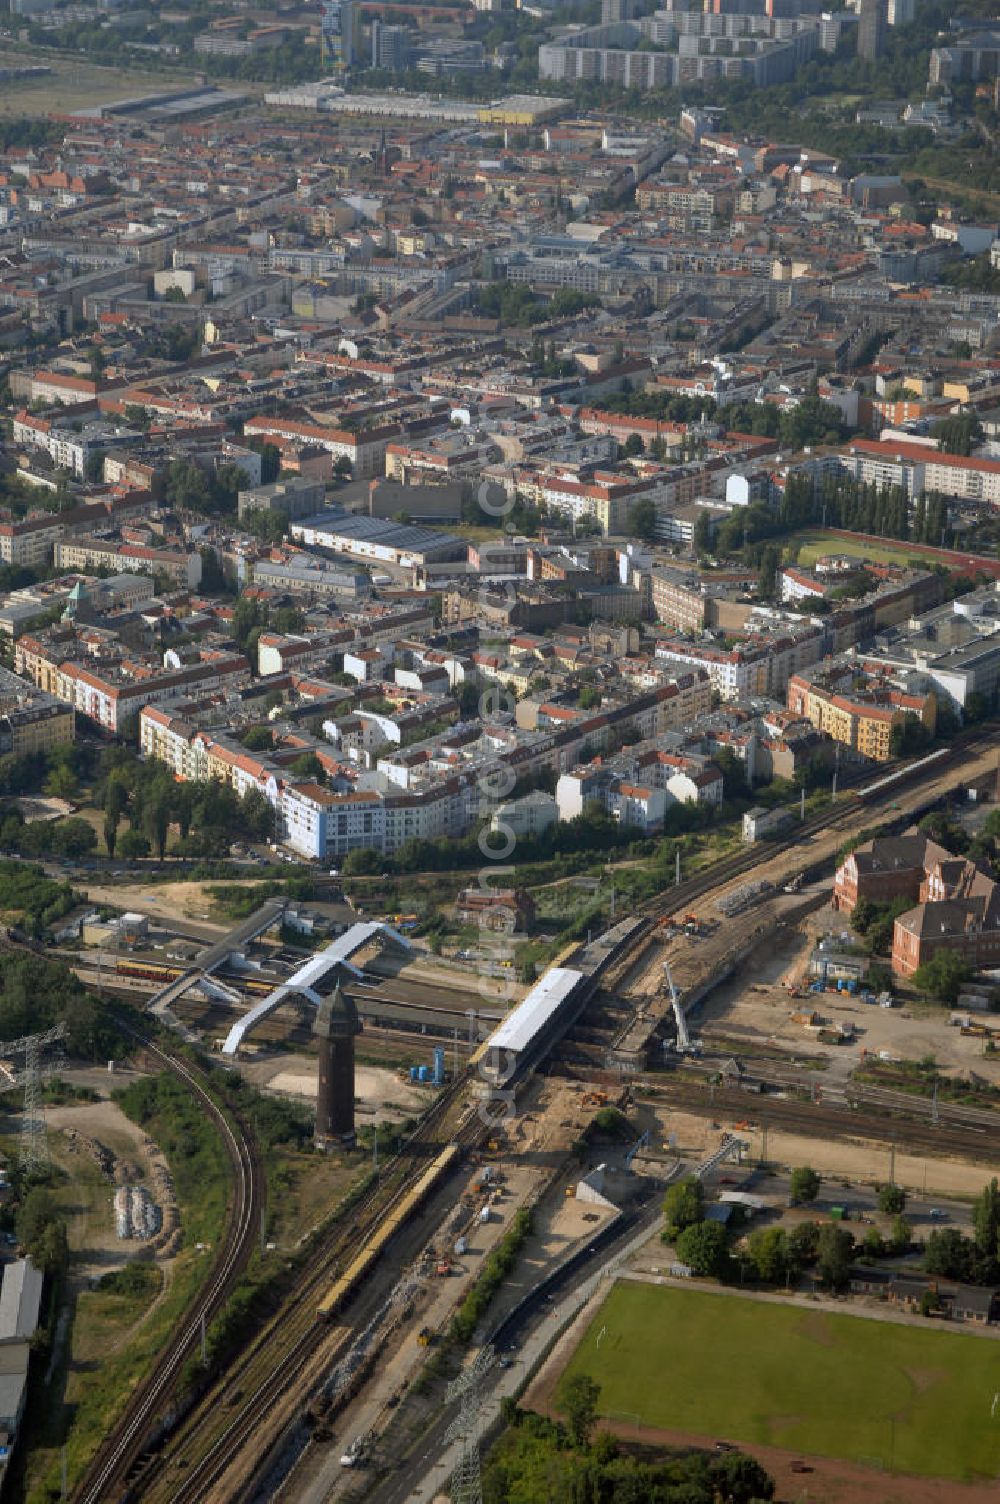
523,1023
302,982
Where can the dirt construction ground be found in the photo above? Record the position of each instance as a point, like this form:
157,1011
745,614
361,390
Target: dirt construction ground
381,1096
90,1206
860,1160
755,1006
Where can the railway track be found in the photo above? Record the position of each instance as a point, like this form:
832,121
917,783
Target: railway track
237,1412
120,1449
681,895
822,1120
285,1349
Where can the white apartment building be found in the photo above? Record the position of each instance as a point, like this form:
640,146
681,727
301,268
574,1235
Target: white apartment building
528,816
916,468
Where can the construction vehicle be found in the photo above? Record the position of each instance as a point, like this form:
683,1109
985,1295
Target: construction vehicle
356,1453
684,1045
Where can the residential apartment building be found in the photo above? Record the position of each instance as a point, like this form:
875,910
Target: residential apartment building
862,717
292,496
31,721
757,667
917,468
363,449
89,552
113,695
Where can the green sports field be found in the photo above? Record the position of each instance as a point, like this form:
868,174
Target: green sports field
814,544
914,1398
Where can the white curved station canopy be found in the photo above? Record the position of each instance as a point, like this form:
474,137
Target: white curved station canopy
303,982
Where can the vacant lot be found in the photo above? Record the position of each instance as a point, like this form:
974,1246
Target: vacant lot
75,83
912,1399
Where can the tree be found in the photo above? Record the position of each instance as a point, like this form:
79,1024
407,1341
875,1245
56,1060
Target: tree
908,736
891,1200
959,434
258,739
270,462
683,1206
642,520
703,532
133,844
361,863
156,819
590,697
740,1478
37,1209
93,470
943,976
803,1244
633,446
833,1255
770,564
949,1254
734,773
901,1236
61,783
703,1247
50,1251
863,916
577,1399
110,831
804,1185
769,1253
308,766
986,1219
873,1245
74,838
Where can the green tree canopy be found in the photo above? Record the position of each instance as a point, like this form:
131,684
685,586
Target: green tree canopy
704,1247
892,1200
577,1398
943,976
834,1250
770,1254
683,1205
804,1184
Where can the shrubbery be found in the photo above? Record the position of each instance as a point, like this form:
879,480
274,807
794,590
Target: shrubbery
498,1265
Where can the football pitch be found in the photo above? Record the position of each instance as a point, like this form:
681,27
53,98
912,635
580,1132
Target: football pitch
914,1399
815,544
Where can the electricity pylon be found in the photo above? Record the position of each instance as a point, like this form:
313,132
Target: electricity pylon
467,1480
33,1152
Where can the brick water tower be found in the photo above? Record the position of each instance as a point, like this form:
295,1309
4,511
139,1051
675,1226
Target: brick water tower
336,1025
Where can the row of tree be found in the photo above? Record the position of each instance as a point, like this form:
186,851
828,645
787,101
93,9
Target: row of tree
774,1255
208,816
835,499
541,1461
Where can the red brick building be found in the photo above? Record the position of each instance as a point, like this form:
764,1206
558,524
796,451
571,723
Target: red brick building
956,905
505,911
884,869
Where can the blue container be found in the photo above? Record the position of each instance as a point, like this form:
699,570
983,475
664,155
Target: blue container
425,1073
438,1076
413,1073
